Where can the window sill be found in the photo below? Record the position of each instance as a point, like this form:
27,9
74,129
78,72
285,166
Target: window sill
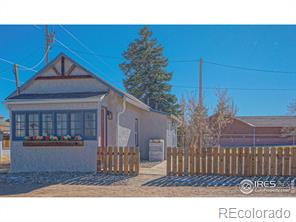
53,143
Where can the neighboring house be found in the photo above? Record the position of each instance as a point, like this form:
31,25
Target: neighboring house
4,125
64,98
258,131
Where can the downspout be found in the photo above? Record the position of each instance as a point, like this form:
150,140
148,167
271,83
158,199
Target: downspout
118,118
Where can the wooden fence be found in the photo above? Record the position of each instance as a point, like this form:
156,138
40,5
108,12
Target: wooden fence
118,160
247,161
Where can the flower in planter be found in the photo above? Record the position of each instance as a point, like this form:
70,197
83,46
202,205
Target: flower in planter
78,138
55,138
47,138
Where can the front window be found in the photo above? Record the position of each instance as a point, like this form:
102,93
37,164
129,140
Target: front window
62,124
33,123
75,124
20,125
47,124
90,124
55,123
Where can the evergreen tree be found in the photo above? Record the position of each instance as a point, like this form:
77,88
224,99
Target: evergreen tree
146,75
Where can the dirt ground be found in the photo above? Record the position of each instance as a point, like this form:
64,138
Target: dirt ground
133,187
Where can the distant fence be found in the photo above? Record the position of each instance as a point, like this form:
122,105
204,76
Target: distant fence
246,161
118,160
6,143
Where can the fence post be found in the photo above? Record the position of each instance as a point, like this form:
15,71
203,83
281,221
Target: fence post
104,156
266,161
131,160
186,160
137,160
221,161
174,161
180,161
116,159
98,160
240,162
197,160
209,160
280,161
215,160
287,161
273,162
203,160
169,161
293,161
233,161
260,161
110,154
120,161
191,159
125,157
247,166
253,161
227,161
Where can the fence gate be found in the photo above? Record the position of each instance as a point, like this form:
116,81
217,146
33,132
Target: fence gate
245,161
118,160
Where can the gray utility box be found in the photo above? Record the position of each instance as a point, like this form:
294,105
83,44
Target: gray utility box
156,150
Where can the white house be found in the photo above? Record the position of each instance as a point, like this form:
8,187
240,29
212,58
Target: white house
63,99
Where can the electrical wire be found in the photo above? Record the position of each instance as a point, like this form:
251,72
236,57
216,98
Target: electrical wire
86,47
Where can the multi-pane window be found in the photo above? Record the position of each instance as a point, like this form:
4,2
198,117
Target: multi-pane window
47,124
56,123
61,124
75,124
90,124
20,125
136,132
33,124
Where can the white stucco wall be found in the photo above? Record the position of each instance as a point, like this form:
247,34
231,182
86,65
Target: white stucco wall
152,125
47,159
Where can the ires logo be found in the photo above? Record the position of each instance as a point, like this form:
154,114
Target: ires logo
247,186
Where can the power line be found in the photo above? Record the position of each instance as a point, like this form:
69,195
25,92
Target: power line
84,46
249,69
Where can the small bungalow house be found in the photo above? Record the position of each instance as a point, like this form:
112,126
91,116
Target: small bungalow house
64,113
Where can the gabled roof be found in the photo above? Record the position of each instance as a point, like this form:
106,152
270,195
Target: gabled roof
269,121
120,92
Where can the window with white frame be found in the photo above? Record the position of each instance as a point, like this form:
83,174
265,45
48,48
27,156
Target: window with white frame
33,124
20,125
62,120
75,124
90,124
47,124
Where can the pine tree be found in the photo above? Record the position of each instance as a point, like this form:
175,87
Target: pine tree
146,75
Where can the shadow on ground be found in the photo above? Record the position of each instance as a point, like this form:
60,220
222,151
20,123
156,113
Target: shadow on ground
11,184
216,180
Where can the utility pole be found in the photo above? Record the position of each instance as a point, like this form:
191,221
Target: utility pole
15,70
49,38
200,83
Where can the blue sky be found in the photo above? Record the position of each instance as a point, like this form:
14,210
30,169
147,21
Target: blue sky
260,47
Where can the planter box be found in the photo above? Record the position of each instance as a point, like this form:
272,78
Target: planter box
53,143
